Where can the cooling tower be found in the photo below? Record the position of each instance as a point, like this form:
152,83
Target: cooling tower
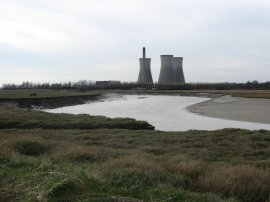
166,70
178,70
145,75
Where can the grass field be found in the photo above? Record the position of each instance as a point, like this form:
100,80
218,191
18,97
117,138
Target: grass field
265,95
11,117
45,98
24,94
128,165
61,157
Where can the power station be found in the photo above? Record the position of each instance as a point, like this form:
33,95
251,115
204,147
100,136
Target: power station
171,70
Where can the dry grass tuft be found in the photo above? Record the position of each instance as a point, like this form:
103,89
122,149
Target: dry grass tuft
244,182
85,154
135,169
180,165
138,162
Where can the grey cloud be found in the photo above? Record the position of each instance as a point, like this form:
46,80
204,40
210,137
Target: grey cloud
102,39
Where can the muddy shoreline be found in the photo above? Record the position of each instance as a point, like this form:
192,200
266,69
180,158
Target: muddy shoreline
234,108
49,102
63,101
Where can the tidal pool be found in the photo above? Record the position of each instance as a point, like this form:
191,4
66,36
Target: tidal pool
167,113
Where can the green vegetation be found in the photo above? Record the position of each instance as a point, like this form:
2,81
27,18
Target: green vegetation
36,94
130,165
86,85
45,98
28,119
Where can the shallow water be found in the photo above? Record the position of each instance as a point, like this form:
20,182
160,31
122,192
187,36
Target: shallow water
167,113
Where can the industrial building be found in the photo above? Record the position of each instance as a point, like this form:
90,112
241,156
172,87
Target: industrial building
171,70
145,75
166,74
178,72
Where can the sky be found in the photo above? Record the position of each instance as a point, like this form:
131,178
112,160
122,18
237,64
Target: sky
67,40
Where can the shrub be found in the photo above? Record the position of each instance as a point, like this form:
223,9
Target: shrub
30,148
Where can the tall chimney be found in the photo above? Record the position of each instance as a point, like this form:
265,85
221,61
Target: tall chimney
144,56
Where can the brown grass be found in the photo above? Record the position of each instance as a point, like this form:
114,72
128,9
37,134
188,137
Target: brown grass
141,162
231,163
245,182
265,95
180,165
85,154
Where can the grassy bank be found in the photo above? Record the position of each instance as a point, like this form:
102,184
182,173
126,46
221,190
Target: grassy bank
11,117
128,165
37,94
264,95
46,98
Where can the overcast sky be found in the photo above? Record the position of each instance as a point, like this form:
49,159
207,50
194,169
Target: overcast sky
67,40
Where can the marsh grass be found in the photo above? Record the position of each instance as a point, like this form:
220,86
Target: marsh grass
192,169
245,182
26,94
263,95
83,154
126,165
30,147
28,119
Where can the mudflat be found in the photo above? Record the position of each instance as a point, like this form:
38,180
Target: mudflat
235,108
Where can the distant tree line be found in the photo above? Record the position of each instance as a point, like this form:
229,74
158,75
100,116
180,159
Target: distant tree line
51,86
254,85
90,85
